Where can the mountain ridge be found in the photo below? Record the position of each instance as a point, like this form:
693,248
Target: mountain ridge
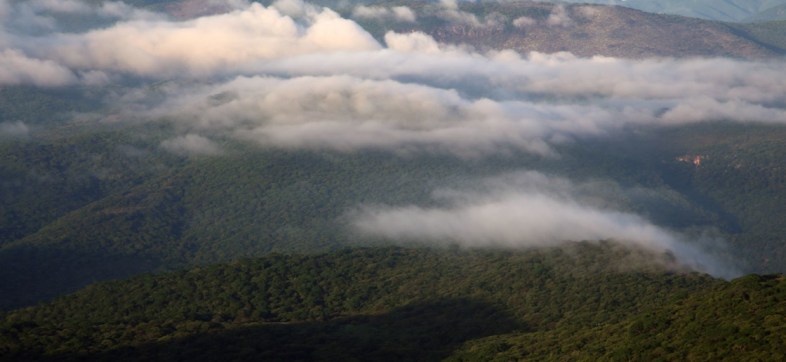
721,10
583,300
586,30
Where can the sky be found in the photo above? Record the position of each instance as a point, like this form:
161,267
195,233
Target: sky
298,76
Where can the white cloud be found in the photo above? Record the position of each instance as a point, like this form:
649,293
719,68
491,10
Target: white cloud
203,46
306,78
420,95
415,42
523,22
348,113
17,68
449,10
535,211
559,17
16,129
403,13
23,18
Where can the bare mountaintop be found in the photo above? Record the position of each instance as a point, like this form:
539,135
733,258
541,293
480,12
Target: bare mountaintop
588,30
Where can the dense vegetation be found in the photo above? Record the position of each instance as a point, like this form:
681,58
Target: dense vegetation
438,298
740,320
255,259
86,199
82,206
587,301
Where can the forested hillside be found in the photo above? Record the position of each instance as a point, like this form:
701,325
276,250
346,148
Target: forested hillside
740,320
110,212
390,180
585,301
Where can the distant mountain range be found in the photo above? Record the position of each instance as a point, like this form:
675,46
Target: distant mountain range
588,30
722,10
387,180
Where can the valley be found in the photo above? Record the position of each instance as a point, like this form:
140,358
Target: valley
391,180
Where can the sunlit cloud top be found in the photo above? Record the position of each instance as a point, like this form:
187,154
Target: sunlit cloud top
296,75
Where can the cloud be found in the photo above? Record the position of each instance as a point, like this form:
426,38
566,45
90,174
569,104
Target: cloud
523,22
707,109
559,16
415,42
191,144
5,9
16,129
560,74
449,10
297,76
418,95
204,46
403,13
396,13
17,68
21,17
302,76
349,113
535,211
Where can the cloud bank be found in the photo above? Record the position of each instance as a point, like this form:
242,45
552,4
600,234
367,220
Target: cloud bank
303,77
206,45
298,76
17,68
533,210
160,47
419,95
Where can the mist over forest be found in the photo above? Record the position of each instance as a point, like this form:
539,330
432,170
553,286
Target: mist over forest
167,145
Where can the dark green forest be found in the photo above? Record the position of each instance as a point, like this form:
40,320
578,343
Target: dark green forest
116,247
87,205
588,301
